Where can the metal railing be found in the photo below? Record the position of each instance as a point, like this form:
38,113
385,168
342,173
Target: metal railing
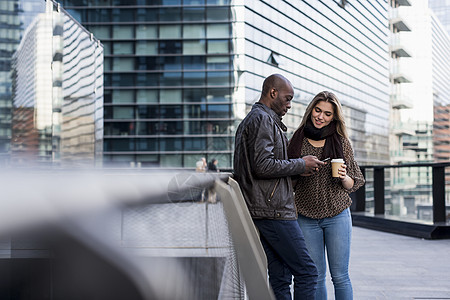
438,184
88,223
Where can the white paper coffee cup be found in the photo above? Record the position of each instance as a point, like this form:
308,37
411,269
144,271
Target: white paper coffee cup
336,163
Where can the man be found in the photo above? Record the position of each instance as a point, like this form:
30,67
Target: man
263,170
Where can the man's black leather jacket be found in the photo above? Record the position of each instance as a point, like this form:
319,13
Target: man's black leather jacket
262,167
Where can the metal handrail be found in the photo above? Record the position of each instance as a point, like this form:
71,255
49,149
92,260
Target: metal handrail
438,188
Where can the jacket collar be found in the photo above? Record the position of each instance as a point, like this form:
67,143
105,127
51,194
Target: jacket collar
272,114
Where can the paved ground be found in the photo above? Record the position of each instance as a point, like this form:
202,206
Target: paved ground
390,266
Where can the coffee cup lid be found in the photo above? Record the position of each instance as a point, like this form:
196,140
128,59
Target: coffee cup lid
338,160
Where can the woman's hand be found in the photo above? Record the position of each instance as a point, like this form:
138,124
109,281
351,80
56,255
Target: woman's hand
347,181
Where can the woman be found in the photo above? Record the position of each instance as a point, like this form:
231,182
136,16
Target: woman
323,201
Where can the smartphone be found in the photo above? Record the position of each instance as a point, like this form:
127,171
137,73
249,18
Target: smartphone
326,159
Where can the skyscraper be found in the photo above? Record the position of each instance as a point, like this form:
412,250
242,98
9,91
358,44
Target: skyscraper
181,74
57,93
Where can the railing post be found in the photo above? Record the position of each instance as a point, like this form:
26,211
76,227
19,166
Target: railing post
360,195
378,190
438,194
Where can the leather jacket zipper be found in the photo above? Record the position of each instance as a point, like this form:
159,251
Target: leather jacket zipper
274,188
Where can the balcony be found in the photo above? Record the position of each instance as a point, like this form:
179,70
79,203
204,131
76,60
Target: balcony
401,3
400,101
401,129
396,22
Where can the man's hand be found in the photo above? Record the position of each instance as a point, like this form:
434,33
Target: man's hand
312,165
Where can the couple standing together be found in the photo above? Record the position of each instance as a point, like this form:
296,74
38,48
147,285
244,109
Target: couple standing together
298,208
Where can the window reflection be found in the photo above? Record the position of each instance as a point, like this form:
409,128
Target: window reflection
194,62
193,14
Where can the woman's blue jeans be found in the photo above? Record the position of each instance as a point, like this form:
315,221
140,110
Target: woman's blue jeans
287,256
333,234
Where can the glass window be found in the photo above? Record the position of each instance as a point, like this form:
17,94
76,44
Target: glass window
122,15
218,62
148,144
194,127
169,31
146,128
148,160
194,144
147,79
122,80
106,48
220,143
170,111
119,128
218,111
147,112
195,111
170,79
171,160
194,47
219,95
123,112
218,127
119,144
194,78
170,127
123,2
194,62
122,96
170,62
218,46
194,31
224,160
147,63
170,144
123,48
98,15
146,32
194,95
218,2
146,96
123,32
146,48
107,96
146,14
214,31
108,112
123,64
101,32
193,14
169,47
107,64
217,13
170,96
190,160
218,78
193,2
169,14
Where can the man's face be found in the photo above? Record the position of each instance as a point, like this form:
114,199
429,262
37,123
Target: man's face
281,99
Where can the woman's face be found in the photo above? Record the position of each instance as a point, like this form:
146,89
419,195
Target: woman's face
322,114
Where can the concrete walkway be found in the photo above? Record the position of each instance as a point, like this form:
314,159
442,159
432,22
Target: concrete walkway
390,266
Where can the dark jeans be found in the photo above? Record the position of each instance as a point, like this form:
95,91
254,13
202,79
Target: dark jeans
287,255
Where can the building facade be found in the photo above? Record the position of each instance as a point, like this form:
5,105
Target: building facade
10,28
57,93
180,75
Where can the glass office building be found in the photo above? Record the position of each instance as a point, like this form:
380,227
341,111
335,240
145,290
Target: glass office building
57,93
10,28
181,74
